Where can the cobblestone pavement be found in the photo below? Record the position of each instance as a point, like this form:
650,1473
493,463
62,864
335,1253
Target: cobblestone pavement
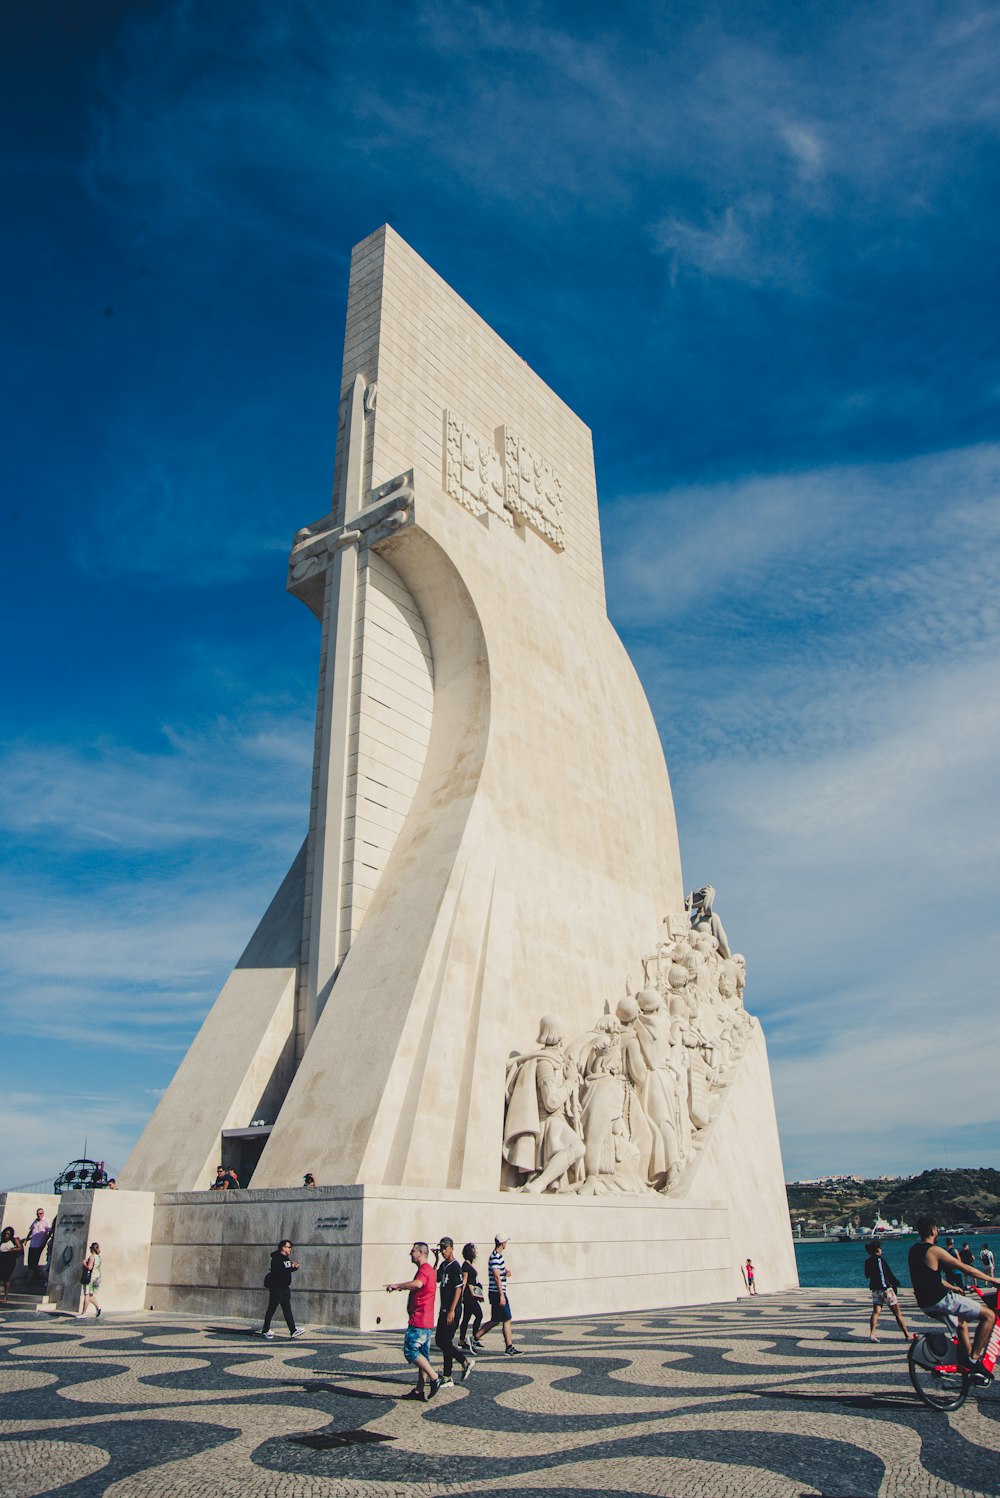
782,1395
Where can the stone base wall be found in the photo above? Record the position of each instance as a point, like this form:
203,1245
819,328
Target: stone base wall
122,1223
567,1257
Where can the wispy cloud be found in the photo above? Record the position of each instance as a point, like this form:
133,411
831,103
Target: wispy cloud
60,1127
836,772
198,788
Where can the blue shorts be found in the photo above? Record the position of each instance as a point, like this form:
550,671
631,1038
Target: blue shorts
498,1311
416,1341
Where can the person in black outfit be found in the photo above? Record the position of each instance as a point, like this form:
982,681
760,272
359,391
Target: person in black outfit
450,1280
883,1284
472,1297
938,1298
279,1289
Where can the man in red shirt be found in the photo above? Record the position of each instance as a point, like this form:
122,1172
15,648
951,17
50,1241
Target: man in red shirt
420,1308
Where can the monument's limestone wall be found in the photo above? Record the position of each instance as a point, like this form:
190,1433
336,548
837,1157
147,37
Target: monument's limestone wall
122,1223
742,1161
491,838
17,1209
210,1253
239,1063
428,352
539,852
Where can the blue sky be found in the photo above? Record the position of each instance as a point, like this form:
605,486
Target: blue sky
755,247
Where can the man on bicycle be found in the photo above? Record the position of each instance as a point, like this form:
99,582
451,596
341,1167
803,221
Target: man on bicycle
943,1302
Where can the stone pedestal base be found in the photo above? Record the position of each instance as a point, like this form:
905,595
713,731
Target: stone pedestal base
567,1256
122,1223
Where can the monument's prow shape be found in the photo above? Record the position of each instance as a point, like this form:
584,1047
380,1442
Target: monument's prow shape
491,833
539,850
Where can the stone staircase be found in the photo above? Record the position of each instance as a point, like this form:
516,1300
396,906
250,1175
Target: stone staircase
23,1296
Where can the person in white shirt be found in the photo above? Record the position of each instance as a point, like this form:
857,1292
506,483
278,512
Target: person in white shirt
36,1238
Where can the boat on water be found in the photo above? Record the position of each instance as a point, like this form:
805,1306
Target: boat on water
880,1232
882,1229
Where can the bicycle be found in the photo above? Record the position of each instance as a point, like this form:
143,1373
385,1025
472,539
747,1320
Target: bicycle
938,1375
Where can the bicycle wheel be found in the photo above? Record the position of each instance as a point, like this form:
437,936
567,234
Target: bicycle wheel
941,1388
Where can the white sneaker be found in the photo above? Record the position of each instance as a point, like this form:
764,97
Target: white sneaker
446,1383
268,1335
298,1332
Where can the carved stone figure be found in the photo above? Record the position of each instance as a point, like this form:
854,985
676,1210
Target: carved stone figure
602,1109
542,1090
703,916
659,1094
624,1107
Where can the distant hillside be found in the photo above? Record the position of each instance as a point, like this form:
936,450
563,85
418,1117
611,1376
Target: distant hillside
951,1196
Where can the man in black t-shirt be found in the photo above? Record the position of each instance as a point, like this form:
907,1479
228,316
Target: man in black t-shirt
449,1278
929,1265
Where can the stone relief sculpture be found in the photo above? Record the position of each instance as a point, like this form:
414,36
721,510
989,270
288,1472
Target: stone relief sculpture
507,480
534,491
624,1107
543,1101
703,917
474,474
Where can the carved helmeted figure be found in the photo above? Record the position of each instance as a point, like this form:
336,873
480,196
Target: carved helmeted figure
608,1115
542,1091
701,1071
602,1110
680,1062
648,1140
661,1088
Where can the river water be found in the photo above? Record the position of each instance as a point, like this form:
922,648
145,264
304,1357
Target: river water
840,1265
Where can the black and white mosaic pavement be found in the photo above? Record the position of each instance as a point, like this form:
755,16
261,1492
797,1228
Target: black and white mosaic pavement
782,1395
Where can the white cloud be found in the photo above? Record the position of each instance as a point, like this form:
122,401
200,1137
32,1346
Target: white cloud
50,1131
836,781
719,246
242,781
805,147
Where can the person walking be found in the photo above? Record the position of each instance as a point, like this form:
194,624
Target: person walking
420,1321
884,1286
278,1283
968,1258
90,1279
987,1260
35,1239
450,1280
472,1297
949,1274
11,1249
751,1281
500,1312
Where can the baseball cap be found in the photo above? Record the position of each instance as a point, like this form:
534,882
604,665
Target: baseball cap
501,1238
446,1243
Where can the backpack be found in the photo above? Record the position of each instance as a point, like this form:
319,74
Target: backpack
267,1280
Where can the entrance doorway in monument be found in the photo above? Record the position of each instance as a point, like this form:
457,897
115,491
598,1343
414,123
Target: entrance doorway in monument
242,1149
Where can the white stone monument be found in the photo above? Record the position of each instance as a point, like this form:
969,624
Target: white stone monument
491,840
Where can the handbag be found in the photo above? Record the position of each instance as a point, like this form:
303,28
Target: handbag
86,1275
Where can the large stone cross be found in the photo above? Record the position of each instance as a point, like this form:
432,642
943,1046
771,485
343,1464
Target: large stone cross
323,572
